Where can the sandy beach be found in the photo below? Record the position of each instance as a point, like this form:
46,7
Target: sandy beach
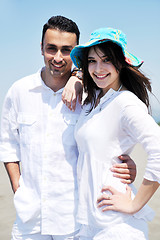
7,211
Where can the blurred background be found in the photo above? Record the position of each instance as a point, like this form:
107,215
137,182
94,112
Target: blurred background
21,25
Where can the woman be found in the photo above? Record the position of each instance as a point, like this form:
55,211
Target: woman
114,118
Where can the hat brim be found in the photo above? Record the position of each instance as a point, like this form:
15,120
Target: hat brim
77,53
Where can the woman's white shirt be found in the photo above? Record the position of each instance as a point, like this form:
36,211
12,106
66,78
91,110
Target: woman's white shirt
112,128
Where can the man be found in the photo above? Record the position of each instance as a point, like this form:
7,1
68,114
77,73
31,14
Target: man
38,130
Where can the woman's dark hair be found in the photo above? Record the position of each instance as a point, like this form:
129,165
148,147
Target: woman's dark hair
63,24
131,77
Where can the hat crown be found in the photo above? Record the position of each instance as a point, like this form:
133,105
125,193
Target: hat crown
104,35
111,34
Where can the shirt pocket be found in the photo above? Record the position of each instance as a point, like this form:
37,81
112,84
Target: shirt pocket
26,127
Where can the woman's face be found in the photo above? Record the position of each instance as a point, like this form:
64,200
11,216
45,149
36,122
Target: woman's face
102,71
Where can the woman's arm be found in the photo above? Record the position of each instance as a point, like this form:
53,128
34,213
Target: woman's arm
142,128
72,91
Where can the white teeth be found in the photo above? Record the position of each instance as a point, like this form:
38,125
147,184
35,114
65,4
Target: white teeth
58,66
102,76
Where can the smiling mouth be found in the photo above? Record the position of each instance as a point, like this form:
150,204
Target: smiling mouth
101,77
57,66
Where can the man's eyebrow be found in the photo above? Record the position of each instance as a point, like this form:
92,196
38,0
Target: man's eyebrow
67,46
53,45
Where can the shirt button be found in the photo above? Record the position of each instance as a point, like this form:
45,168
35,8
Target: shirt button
54,94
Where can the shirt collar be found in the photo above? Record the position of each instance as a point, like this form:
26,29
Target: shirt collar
39,83
109,95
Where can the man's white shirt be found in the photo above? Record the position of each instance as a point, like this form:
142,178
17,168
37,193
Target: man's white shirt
38,130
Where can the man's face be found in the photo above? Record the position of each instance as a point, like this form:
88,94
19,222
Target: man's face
56,50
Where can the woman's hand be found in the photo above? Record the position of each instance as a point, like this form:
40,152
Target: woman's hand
73,90
122,202
116,201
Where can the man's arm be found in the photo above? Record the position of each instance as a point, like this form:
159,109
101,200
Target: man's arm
125,170
13,170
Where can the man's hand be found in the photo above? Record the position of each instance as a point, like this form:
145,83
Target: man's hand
73,90
125,170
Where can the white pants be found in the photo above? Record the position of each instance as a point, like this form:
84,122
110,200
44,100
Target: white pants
133,229
16,235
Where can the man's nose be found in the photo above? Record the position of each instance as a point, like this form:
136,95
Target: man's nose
58,56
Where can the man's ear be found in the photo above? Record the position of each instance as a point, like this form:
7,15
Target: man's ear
42,49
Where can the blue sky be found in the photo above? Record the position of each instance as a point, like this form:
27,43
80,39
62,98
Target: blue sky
21,23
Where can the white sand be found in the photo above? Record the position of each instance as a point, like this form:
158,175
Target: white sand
7,212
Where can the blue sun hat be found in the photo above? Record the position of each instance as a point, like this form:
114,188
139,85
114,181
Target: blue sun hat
103,35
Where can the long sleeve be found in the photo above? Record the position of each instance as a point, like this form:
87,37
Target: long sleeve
137,123
9,137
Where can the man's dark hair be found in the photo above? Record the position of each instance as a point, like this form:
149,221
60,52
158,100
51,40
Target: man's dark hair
63,24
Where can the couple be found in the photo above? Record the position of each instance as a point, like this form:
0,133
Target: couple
38,130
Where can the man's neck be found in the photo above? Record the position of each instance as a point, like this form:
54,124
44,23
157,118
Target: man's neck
55,83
